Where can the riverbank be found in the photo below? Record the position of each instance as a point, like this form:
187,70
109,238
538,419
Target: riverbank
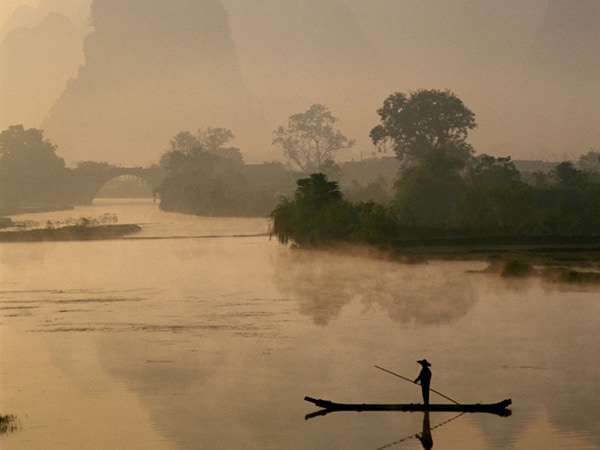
579,254
555,262
35,209
580,251
70,233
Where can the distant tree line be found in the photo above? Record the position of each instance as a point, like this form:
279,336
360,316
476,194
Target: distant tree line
33,177
206,177
442,190
489,200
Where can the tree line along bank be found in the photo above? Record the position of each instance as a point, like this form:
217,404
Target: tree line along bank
435,187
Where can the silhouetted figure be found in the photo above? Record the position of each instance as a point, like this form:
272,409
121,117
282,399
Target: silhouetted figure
425,378
425,436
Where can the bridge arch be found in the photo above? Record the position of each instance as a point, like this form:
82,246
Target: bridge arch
89,178
125,186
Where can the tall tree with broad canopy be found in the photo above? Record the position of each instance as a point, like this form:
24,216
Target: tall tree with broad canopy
310,140
30,171
424,121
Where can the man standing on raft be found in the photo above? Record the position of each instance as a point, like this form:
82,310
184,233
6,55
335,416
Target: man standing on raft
425,379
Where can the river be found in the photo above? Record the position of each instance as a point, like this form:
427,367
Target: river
201,333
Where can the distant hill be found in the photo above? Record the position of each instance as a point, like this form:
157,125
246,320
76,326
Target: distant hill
152,69
34,63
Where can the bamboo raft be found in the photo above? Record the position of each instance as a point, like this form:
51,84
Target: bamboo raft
499,408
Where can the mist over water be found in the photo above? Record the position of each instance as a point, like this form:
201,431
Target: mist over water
166,340
325,283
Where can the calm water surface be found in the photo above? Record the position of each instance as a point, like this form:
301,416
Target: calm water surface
201,333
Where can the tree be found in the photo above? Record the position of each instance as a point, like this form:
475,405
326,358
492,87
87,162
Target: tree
316,191
185,143
30,171
186,146
428,194
319,215
491,171
309,140
206,184
496,200
205,177
214,139
307,219
590,162
424,121
568,177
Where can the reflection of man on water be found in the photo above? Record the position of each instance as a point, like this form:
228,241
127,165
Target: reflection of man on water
425,378
425,437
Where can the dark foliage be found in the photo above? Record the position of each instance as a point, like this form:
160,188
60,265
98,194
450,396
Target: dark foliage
437,202
212,184
422,122
517,269
319,215
31,174
429,194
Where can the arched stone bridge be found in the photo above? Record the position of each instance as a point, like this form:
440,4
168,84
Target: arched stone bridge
89,177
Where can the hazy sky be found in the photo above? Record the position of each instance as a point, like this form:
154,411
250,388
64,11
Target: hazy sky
528,69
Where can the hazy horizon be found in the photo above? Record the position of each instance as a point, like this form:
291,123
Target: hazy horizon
528,70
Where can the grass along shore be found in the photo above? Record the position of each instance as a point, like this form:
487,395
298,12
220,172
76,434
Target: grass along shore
70,233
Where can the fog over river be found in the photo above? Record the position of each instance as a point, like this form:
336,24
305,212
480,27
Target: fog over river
202,333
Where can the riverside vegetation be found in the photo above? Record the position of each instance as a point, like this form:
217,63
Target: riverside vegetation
319,216
448,203
84,228
444,200
8,423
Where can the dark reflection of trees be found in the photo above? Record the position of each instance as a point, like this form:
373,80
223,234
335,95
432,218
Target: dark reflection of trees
324,282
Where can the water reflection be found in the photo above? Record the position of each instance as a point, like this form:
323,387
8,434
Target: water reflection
188,343
323,283
575,410
8,423
425,436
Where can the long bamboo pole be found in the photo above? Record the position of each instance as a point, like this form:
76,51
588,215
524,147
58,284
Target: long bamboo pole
411,381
